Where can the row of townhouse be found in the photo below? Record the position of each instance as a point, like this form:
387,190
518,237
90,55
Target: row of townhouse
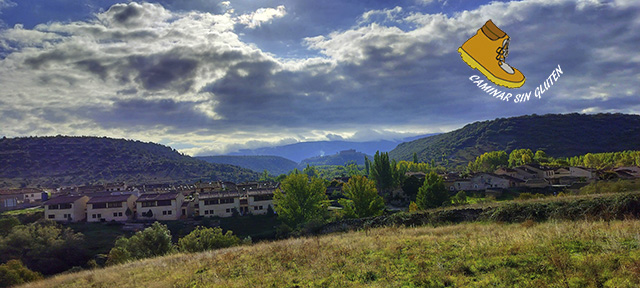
530,176
21,198
172,205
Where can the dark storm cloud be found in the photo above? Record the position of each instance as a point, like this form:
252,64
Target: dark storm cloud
138,113
159,72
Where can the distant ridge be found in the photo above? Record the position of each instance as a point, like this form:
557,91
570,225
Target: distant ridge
559,135
341,158
276,165
303,150
61,160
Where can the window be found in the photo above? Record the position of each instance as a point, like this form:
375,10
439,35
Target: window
255,207
99,215
115,214
169,212
68,216
164,203
149,204
206,212
53,207
260,207
99,205
211,202
164,212
65,206
228,210
52,216
211,212
114,204
93,216
226,200
262,197
119,214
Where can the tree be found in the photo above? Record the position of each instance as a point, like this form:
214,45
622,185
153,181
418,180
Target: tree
363,199
300,200
203,239
432,194
367,165
14,273
381,172
150,242
265,176
415,157
7,223
519,157
311,171
411,185
385,173
44,247
540,157
489,161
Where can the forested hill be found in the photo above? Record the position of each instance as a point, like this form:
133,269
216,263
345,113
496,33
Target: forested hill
60,160
274,164
341,158
561,135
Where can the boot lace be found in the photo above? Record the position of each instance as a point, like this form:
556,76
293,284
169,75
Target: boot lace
503,51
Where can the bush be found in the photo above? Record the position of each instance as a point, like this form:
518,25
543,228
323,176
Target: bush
15,273
152,241
203,239
460,198
44,247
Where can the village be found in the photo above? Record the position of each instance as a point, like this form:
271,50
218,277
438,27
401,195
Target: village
142,203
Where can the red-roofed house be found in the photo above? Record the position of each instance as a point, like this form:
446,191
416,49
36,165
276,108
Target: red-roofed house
66,208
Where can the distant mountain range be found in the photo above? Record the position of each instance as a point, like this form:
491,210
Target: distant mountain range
563,135
61,161
276,165
303,150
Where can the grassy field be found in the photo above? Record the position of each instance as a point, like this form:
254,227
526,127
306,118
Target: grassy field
528,254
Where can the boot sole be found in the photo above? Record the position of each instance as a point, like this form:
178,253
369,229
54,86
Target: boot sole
475,65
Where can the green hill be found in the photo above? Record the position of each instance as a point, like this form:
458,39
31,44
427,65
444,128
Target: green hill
276,165
61,160
558,135
340,158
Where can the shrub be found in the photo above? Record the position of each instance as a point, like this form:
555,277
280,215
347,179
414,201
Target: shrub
152,241
203,239
14,273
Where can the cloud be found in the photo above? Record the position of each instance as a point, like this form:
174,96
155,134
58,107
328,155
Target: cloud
145,71
262,15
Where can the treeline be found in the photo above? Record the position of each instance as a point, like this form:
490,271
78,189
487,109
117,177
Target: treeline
490,161
579,134
29,251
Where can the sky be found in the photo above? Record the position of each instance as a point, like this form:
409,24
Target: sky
211,77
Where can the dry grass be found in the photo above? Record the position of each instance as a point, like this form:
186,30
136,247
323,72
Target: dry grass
552,254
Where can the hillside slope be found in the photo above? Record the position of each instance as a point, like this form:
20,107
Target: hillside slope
558,135
274,164
60,160
549,254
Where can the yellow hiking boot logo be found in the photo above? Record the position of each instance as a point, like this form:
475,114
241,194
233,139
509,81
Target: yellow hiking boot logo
487,51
